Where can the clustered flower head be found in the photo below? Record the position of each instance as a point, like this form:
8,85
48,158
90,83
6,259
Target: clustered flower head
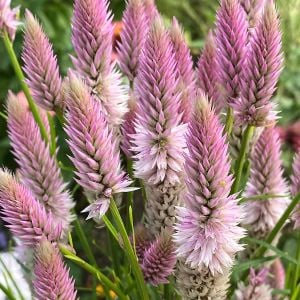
24,215
51,277
207,232
8,19
266,178
94,148
37,168
262,72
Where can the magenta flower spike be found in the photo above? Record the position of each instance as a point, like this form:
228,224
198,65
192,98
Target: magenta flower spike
231,41
94,148
24,215
263,70
37,168
40,66
8,19
266,177
133,36
295,188
253,9
92,36
207,73
207,231
159,260
185,72
52,280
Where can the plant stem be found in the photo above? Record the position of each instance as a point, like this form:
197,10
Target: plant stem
102,278
129,251
261,250
229,121
242,157
17,68
129,195
167,292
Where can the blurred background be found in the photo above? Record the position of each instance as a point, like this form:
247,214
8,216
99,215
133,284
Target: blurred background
197,17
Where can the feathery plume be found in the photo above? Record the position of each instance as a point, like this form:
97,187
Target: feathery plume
207,231
25,216
52,279
263,69
295,188
185,72
207,73
231,41
41,66
159,260
8,19
133,37
266,177
253,9
257,287
38,169
93,145
92,37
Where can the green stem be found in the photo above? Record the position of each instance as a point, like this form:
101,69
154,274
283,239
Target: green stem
3,115
242,158
229,121
17,68
52,135
129,195
262,197
261,250
7,292
102,278
129,251
167,292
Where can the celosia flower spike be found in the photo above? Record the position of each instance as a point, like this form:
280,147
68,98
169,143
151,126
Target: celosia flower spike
159,260
38,169
231,41
25,216
207,231
207,73
8,19
41,66
253,9
266,177
133,37
52,280
264,67
93,145
295,188
159,140
185,72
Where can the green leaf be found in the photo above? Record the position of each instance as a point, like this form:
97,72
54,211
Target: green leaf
252,263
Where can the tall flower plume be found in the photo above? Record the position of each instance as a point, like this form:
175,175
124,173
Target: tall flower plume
231,40
92,36
295,188
253,9
25,216
159,260
93,145
133,37
41,66
207,72
52,279
185,71
38,169
207,231
266,177
8,18
263,70
159,140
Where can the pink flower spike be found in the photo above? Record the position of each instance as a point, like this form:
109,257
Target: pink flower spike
263,70
207,231
231,41
25,216
52,279
38,169
266,177
185,72
8,19
253,9
41,67
93,144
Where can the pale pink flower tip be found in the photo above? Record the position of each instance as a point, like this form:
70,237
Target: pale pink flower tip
25,216
52,279
41,67
94,148
159,139
207,231
8,18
